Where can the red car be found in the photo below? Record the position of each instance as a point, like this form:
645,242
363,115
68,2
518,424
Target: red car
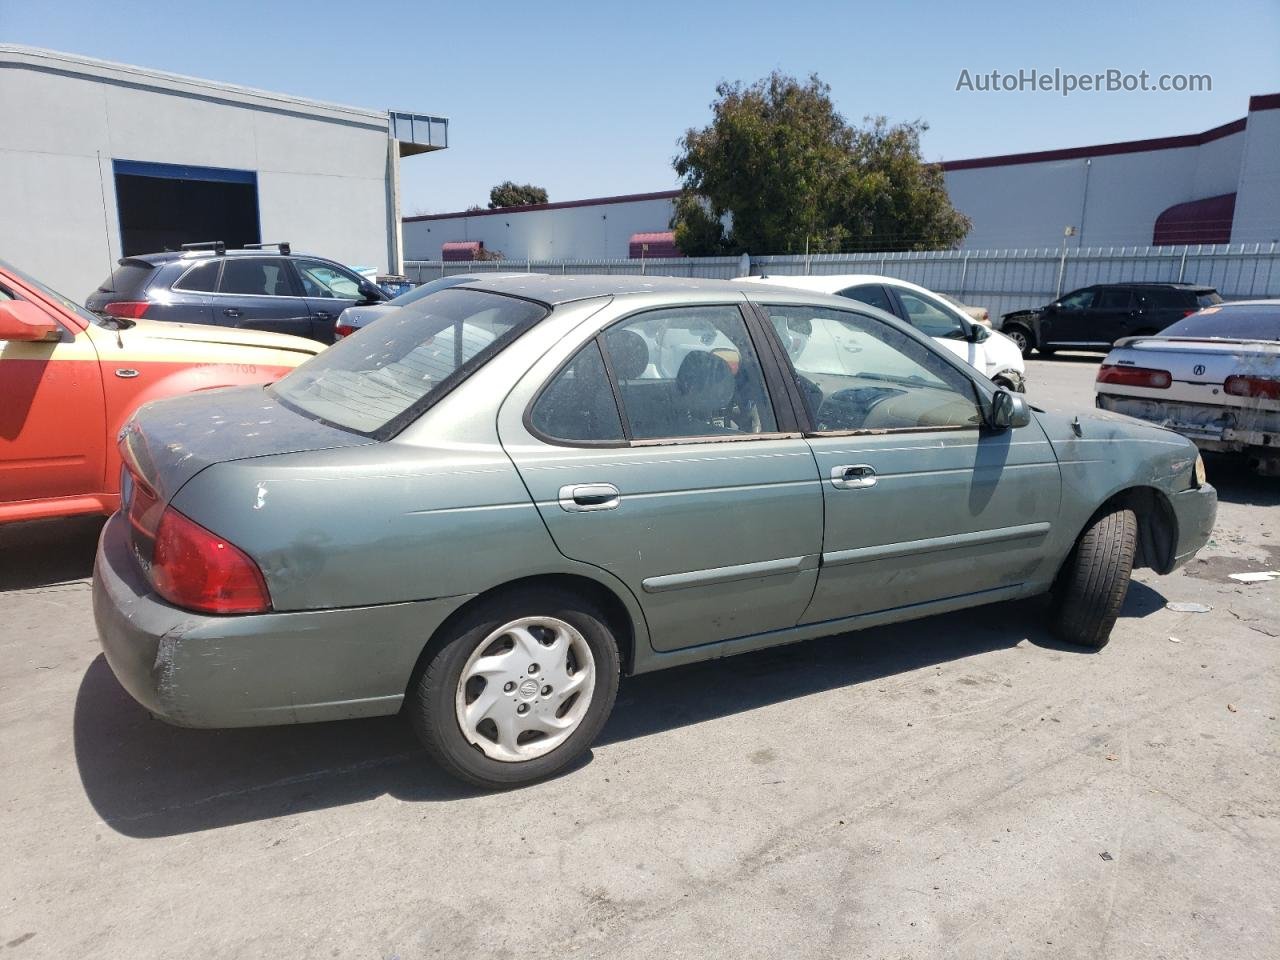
70,379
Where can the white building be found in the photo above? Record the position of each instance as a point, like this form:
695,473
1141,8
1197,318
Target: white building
102,160
1218,186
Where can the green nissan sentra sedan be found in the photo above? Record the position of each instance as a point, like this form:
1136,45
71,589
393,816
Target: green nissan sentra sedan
484,508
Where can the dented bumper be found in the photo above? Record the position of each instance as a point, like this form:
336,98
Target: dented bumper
1218,428
209,671
1195,512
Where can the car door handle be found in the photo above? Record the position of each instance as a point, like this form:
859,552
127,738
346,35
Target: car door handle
853,476
584,497
323,315
232,312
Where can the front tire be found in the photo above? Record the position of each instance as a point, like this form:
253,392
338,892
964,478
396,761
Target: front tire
1091,587
1021,336
517,690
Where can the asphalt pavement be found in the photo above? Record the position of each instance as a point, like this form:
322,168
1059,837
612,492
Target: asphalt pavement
960,786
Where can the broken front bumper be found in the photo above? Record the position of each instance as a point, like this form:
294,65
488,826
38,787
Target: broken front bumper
195,670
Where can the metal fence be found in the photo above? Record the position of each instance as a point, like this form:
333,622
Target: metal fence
1000,280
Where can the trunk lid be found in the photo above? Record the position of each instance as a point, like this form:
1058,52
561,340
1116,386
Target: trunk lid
1199,368
167,442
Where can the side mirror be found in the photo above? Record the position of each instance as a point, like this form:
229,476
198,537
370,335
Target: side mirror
1053,308
25,322
371,292
1009,410
978,333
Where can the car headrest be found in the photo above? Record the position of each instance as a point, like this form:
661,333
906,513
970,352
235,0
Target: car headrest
706,383
628,352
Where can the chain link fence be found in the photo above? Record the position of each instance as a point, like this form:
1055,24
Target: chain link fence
1000,280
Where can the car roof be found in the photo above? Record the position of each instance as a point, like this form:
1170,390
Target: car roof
553,289
831,283
1171,285
169,256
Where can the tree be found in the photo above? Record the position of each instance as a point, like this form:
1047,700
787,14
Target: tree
511,194
790,175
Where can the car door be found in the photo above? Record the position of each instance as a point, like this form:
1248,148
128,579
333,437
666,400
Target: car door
1066,322
329,290
1112,315
52,422
922,502
683,482
260,293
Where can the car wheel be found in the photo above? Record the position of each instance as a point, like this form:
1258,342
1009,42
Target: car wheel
1092,584
1020,336
517,690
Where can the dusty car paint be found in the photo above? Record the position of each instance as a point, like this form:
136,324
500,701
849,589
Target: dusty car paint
368,547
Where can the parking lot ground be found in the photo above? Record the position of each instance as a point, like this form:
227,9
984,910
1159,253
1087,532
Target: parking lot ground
960,786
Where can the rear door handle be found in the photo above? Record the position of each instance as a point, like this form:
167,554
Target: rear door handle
231,312
585,497
853,476
323,315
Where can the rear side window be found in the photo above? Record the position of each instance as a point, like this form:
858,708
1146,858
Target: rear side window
686,372
578,405
1113,300
249,276
129,279
378,382
202,278
872,294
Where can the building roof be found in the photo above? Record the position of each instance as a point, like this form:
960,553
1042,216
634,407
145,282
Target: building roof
14,56
562,205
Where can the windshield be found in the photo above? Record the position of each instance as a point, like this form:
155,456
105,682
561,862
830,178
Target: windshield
1251,321
54,295
377,381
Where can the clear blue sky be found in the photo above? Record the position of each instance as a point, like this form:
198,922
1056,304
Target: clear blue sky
588,99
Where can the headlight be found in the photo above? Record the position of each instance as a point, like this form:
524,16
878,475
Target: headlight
1201,477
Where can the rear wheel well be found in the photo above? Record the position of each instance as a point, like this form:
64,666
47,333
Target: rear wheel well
598,595
1157,525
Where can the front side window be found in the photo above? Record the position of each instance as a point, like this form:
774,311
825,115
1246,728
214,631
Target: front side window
688,372
578,405
327,281
1079,300
872,294
376,383
859,374
930,317
251,277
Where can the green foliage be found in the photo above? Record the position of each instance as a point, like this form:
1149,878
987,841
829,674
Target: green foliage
511,194
789,174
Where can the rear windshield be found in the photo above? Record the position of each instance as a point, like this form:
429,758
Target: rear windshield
380,379
128,279
1228,322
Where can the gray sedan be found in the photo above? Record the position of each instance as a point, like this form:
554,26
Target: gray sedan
486,507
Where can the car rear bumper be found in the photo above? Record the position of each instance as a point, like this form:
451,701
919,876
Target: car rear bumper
1222,429
208,671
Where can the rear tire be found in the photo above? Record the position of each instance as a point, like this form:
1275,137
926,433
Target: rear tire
437,703
1091,587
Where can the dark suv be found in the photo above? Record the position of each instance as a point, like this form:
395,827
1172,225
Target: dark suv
262,288
1094,318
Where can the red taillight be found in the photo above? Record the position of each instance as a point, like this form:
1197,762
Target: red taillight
1135,376
194,568
128,309
344,330
1241,385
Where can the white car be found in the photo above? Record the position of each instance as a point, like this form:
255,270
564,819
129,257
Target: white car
1213,377
991,352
